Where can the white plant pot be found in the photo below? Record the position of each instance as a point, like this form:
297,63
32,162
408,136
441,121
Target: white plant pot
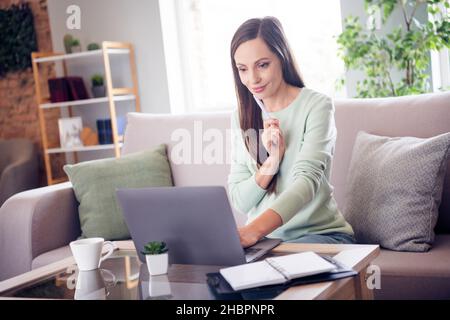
157,263
75,49
98,91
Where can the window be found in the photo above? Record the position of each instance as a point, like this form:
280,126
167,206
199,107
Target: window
197,36
440,63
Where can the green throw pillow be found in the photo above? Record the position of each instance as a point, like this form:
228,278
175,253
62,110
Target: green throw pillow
95,184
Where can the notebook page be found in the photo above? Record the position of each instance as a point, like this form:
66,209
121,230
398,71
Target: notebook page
251,275
301,264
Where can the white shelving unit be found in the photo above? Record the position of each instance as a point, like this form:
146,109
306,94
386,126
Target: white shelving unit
114,95
85,102
87,148
99,52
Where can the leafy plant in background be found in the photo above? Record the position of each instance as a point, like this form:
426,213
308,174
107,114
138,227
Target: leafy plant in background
75,46
98,89
68,43
71,43
93,46
97,80
18,38
75,42
405,49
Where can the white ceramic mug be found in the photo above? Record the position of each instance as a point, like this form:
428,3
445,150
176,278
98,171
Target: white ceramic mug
88,252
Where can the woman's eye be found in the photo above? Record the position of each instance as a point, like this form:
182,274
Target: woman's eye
264,65
241,70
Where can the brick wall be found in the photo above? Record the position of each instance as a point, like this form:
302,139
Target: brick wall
18,107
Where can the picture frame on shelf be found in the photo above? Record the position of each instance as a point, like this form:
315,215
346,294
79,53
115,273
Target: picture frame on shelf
70,132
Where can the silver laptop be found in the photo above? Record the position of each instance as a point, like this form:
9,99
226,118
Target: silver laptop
197,224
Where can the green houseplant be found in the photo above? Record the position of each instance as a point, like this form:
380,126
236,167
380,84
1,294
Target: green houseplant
405,49
17,38
93,46
71,44
68,43
157,257
75,46
98,88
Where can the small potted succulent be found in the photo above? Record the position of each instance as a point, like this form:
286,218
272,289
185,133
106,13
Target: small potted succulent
93,46
71,44
98,88
157,257
75,45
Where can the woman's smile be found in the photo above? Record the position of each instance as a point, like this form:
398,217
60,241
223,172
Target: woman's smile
259,89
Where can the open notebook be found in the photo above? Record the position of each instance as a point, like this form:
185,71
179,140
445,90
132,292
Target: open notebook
276,270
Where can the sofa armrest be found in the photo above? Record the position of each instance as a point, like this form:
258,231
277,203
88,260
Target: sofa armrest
18,176
33,222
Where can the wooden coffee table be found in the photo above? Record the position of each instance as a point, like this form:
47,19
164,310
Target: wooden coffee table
54,278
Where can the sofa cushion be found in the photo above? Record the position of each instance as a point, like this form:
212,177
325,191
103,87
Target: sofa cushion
395,189
415,275
95,184
423,116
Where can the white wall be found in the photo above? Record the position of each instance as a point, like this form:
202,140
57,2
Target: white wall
356,9
135,21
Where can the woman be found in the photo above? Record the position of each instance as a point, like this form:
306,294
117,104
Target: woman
281,165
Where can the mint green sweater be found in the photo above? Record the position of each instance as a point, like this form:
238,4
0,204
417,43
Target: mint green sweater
304,196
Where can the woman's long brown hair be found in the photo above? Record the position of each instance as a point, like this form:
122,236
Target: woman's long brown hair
269,29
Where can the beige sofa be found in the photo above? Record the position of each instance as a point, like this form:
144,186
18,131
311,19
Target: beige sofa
36,226
19,167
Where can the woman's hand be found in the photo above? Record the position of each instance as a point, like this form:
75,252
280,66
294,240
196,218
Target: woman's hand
248,236
273,140
267,222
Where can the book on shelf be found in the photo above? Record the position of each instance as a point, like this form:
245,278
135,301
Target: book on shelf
77,88
278,270
104,131
58,89
67,89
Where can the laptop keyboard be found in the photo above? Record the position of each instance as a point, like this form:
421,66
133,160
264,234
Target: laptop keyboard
251,254
249,251
256,252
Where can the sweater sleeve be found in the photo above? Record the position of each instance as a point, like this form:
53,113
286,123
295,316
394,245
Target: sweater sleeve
311,161
244,192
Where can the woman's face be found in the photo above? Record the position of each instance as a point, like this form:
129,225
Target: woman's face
259,68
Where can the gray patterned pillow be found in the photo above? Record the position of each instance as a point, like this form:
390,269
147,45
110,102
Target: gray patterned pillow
394,188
